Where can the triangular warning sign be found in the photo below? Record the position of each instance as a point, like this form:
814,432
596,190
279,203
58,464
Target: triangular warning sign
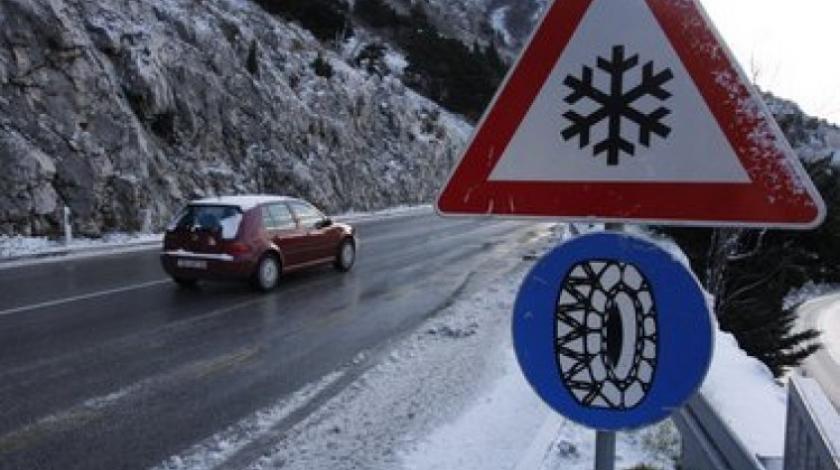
631,110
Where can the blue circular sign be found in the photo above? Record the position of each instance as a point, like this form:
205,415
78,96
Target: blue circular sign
612,331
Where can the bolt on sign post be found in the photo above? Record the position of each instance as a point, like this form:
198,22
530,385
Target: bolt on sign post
630,111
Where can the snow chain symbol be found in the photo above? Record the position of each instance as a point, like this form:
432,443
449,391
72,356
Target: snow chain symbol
617,105
606,333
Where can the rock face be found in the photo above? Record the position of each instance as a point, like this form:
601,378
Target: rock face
125,109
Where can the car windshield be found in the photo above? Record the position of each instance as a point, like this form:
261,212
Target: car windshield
222,218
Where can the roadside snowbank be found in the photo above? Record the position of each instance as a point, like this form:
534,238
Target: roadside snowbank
12,247
810,291
744,393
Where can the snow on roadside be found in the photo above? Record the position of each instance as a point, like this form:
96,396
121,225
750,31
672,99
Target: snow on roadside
744,393
502,430
17,246
808,292
397,211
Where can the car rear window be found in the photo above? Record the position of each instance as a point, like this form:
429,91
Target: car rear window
223,218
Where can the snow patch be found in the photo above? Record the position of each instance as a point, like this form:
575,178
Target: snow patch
395,62
498,21
744,393
808,292
18,246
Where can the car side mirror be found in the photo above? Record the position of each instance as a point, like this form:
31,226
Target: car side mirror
324,223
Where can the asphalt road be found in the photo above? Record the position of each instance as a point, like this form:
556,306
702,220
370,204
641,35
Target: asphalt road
823,315
105,364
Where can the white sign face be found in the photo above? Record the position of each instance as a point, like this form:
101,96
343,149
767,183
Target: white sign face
694,149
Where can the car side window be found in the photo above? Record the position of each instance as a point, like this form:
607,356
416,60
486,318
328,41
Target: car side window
277,217
307,214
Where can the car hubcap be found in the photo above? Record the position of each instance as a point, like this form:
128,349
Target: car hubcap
348,253
268,272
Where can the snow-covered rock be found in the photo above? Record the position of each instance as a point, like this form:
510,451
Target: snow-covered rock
811,137
505,23
124,109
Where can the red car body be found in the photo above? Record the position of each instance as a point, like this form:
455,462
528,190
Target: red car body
245,237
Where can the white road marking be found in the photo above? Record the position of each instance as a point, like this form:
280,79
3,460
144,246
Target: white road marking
78,298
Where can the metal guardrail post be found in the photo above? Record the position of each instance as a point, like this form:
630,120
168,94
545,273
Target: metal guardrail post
812,440
68,226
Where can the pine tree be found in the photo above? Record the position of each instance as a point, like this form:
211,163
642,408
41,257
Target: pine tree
750,272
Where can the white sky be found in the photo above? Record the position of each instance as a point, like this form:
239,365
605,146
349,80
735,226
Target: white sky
790,44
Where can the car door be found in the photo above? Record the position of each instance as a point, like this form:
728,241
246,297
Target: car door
285,233
321,242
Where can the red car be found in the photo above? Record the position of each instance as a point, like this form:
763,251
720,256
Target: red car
254,238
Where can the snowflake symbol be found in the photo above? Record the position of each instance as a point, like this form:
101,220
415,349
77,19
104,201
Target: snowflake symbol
617,105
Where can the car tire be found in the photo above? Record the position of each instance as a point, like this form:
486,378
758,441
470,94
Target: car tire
267,274
346,257
185,283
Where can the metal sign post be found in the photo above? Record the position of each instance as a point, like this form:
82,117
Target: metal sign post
605,441
605,450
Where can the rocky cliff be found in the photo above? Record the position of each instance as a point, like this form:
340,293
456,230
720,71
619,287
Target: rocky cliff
124,109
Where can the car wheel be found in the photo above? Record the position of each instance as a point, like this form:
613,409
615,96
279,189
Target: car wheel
346,257
267,274
185,282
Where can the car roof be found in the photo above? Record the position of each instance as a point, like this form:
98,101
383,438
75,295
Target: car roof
245,202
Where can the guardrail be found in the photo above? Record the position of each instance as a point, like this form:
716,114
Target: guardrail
708,443
812,440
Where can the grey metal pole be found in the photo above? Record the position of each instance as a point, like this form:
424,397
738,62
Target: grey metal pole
605,451
605,441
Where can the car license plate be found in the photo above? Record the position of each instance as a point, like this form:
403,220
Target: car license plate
192,264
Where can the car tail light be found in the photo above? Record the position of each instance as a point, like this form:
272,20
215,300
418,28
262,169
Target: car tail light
237,248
